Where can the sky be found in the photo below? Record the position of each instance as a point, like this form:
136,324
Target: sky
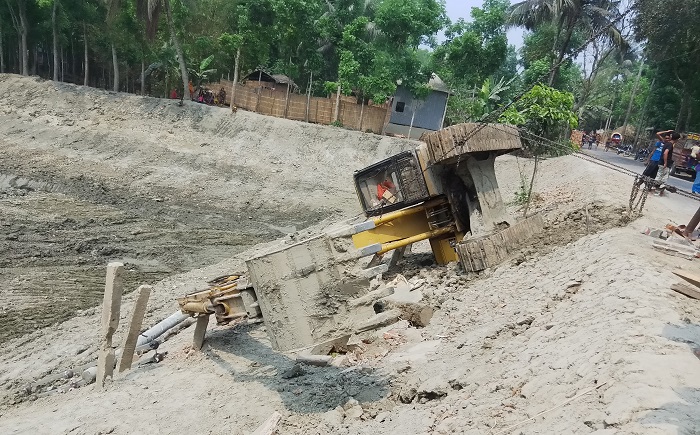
461,8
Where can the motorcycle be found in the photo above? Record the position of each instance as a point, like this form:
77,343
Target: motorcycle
642,154
626,150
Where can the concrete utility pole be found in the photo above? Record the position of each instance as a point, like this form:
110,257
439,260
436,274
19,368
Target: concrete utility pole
110,321
132,335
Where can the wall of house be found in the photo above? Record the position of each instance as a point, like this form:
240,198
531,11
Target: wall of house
428,112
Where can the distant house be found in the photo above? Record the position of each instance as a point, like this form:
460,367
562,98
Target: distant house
276,82
418,116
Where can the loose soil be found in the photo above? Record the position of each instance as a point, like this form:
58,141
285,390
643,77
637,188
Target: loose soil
578,334
88,176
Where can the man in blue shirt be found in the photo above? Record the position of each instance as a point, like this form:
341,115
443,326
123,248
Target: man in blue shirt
652,168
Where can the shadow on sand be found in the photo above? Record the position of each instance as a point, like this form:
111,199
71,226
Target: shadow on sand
313,390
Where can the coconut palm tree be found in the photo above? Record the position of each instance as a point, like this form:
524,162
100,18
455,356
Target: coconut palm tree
588,16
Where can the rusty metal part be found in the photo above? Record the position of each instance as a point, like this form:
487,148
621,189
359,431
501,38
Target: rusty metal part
228,298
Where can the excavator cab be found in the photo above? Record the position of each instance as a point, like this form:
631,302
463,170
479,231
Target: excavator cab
391,184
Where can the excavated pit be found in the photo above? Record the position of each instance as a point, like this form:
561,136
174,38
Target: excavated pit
88,176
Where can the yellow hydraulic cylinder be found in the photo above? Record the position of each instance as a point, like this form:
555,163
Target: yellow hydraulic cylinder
399,227
408,211
386,247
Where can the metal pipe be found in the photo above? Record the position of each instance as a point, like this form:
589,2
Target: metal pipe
408,211
386,247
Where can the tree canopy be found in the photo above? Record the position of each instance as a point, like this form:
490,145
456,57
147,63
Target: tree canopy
620,61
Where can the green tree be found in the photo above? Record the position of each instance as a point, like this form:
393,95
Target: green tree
673,53
545,112
18,14
568,17
149,11
471,53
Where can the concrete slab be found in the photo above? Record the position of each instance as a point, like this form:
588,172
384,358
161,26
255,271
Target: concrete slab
447,145
304,291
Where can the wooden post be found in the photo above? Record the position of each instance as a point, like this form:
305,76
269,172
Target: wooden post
200,330
110,321
132,335
362,111
257,103
411,126
286,102
235,79
308,96
444,113
337,105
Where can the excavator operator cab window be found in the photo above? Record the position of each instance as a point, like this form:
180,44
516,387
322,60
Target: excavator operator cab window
391,184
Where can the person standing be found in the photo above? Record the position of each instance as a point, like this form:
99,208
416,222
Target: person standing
695,150
696,184
666,160
652,168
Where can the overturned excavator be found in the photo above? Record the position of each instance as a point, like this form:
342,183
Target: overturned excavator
315,290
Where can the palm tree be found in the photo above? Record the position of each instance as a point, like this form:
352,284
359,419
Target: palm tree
588,16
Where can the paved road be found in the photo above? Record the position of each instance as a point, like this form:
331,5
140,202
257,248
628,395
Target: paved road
633,165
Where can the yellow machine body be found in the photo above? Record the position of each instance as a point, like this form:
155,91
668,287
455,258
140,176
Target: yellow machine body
404,227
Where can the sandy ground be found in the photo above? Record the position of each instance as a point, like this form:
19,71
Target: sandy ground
578,334
88,176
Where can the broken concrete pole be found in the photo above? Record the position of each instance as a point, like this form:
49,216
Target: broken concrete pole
110,321
335,344
398,255
417,314
89,375
314,360
372,297
269,427
381,319
200,331
132,334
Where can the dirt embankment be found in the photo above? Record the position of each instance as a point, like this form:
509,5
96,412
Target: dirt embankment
582,332
87,176
579,334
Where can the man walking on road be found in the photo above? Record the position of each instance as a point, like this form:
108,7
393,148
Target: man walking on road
666,159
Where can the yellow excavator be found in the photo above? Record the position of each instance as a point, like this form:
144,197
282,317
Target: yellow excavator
444,191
